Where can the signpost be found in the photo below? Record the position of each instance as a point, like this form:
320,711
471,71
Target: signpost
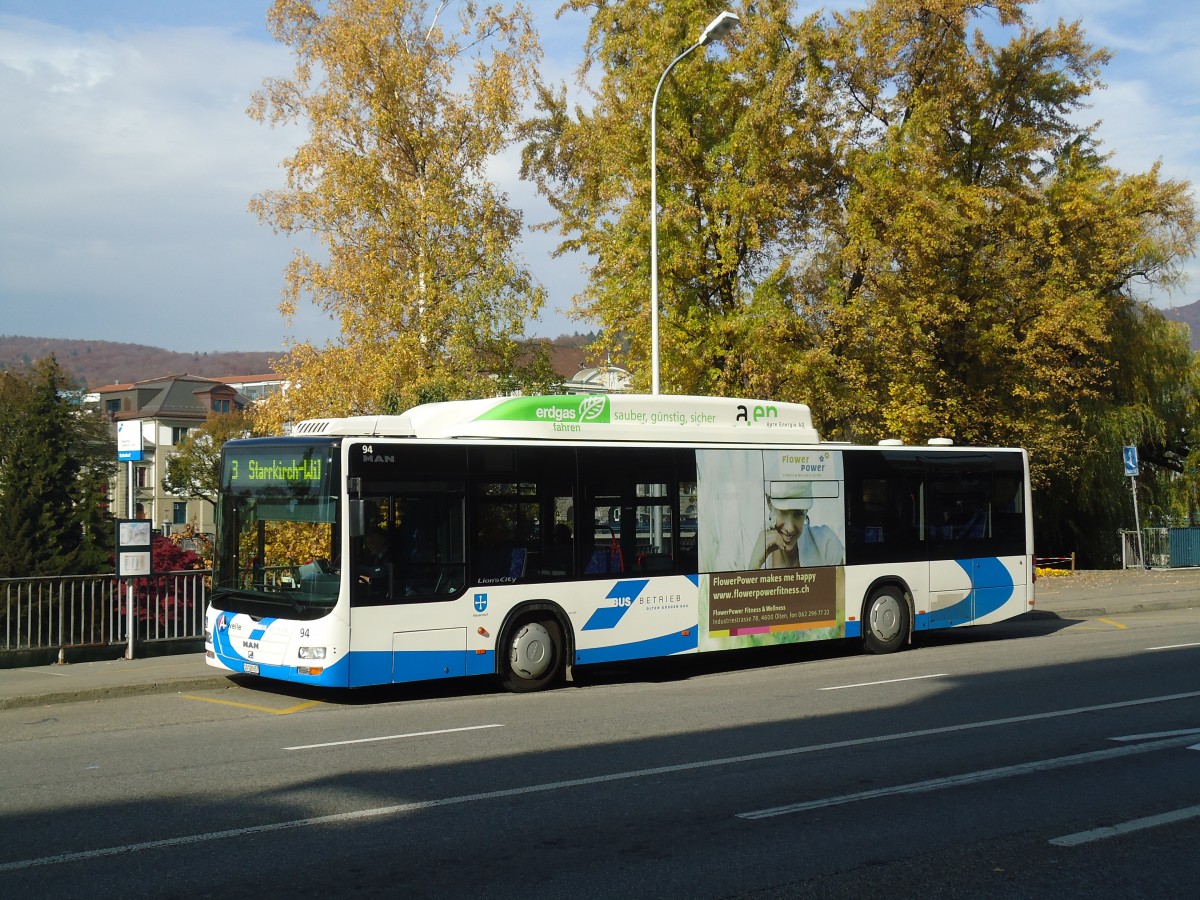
129,441
1129,454
1130,457
133,536
129,451
133,560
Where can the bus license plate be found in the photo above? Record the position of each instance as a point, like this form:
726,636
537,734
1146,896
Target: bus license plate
250,668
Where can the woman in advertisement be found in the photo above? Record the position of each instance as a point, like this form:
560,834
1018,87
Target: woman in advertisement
789,541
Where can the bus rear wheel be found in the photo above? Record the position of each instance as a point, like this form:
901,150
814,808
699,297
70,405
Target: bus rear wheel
534,656
886,621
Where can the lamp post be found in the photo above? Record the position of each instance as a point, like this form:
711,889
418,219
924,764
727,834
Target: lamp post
717,28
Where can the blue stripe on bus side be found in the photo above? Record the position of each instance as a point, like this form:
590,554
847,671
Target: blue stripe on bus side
368,667
665,645
923,622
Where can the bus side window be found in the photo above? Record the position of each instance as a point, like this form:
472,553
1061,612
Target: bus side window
883,507
607,556
507,522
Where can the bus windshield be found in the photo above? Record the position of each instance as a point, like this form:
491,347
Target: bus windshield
277,527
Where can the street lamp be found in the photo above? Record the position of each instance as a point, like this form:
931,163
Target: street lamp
717,28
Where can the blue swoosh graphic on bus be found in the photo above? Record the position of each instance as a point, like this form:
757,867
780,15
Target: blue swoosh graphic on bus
333,676
223,640
609,616
992,587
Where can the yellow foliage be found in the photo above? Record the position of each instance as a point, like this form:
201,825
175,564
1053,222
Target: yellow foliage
403,109
1052,573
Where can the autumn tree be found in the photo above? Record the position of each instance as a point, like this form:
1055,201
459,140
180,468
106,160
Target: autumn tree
892,214
194,471
404,108
739,147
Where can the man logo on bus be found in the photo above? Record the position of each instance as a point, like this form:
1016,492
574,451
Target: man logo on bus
750,416
369,456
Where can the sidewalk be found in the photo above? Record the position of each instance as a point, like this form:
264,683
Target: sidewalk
1109,592
1087,594
90,681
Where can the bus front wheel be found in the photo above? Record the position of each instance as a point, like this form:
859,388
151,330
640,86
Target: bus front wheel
886,621
535,656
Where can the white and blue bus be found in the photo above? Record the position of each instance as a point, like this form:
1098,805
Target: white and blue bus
526,536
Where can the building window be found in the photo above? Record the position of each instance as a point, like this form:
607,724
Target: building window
142,474
221,406
112,407
179,513
178,433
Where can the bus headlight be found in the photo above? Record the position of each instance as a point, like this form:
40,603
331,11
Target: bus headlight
312,652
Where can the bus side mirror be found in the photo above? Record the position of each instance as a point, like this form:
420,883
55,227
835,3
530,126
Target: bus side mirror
358,518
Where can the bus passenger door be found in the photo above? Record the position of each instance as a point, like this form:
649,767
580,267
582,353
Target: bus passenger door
957,521
962,590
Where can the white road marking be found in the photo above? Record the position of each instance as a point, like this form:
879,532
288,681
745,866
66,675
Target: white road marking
380,811
1096,834
1155,735
1175,646
843,687
391,737
937,784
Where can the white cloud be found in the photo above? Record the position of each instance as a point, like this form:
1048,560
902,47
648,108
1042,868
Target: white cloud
129,163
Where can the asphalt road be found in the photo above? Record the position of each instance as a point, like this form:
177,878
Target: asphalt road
1049,755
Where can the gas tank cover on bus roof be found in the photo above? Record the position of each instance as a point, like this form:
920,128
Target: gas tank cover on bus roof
615,417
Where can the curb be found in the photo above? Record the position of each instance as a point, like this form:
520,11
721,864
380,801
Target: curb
1094,612
84,694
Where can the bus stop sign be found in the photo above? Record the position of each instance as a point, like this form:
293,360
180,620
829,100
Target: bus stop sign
1131,461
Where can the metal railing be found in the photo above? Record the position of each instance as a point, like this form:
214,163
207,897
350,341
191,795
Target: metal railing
1149,548
92,610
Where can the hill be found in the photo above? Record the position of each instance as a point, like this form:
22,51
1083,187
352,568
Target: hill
97,363
1190,316
94,364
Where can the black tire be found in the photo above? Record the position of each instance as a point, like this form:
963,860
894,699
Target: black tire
885,621
534,656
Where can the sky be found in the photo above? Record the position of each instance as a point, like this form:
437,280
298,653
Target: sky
127,162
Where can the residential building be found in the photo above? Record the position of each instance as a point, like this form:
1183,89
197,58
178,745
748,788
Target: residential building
255,387
166,409
598,380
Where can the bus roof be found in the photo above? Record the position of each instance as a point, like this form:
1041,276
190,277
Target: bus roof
616,417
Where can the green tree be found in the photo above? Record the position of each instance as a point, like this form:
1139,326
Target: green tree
891,214
404,112
740,146
194,471
52,456
99,538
